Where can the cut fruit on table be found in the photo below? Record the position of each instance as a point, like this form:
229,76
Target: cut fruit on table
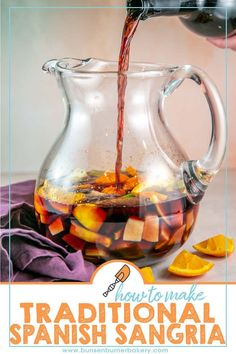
147,274
217,246
187,264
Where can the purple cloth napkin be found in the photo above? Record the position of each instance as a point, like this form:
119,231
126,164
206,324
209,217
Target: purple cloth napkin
26,255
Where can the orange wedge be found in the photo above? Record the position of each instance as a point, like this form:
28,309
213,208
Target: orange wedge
147,274
131,171
217,246
187,264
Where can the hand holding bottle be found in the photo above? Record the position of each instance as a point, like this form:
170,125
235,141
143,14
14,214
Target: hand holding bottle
221,42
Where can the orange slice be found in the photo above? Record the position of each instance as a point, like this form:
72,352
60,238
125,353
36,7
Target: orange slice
217,246
113,190
147,274
187,264
131,171
109,178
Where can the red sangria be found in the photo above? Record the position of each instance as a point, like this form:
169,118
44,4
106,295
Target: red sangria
134,221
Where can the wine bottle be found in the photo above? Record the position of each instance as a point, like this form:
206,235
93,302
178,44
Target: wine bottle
208,18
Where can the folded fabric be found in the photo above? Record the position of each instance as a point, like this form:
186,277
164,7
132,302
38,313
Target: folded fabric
26,255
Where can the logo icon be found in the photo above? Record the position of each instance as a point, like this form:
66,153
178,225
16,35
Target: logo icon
120,276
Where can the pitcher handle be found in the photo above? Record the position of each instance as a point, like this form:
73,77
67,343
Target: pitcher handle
197,174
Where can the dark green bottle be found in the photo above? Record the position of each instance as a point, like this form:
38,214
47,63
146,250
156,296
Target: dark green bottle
208,18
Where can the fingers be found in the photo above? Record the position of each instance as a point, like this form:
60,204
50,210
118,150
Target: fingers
218,42
221,42
232,42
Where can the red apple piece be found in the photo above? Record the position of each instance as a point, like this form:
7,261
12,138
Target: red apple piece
47,218
74,241
133,230
56,226
151,228
90,216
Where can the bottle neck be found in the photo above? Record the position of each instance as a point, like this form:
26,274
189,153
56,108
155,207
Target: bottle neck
153,8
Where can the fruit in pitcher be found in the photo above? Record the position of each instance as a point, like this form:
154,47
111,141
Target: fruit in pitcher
39,205
133,230
74,242
56,226
127,250
118,234
187,264
217,246
151,228
177,217
165,232
106,221
89,236
178,235
60,208
143,189
114,191
46,218
189,220
90,216
109,178
154,197
94,252
131,171
130,183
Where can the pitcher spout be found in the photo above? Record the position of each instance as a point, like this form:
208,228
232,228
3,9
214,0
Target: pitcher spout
49,66
68,64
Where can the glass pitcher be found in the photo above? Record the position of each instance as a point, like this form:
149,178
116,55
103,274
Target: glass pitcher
152,210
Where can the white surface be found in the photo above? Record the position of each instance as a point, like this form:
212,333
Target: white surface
217,214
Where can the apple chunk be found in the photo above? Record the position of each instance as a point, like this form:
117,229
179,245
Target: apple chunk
133,230
151,228
56,226
74,242
47,218
90,216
